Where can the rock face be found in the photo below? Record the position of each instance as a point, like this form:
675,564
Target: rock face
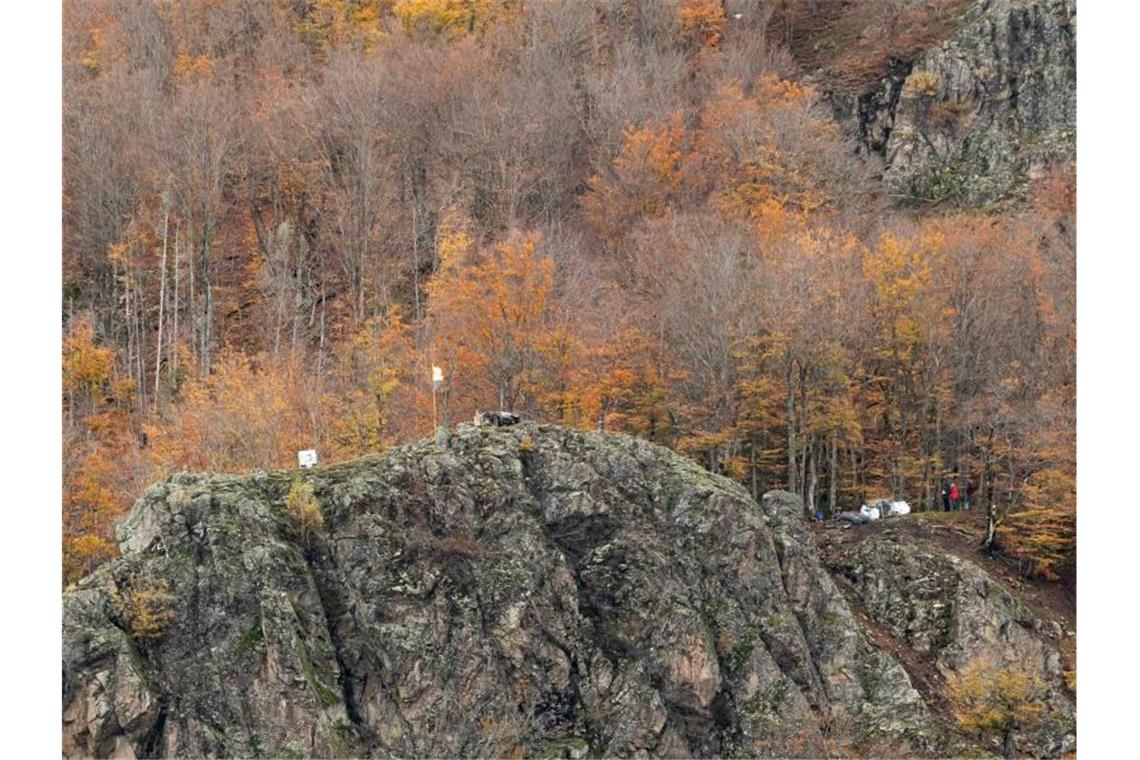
528,590
950,613
991,108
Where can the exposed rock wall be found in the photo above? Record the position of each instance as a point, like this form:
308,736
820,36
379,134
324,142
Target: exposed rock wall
950,612
527,589
975,119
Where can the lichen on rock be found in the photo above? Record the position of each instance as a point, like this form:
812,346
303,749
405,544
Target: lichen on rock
527,590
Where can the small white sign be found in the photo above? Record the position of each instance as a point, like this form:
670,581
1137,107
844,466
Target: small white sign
307,458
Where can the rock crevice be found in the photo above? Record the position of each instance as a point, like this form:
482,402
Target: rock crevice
494,591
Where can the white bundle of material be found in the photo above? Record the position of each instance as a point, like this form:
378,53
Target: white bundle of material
899,508
871,513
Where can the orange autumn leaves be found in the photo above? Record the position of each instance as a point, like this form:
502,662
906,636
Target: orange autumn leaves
712,272
507,340
768,156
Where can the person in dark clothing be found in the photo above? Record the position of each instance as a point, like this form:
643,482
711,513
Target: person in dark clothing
953,497
970,488
945,499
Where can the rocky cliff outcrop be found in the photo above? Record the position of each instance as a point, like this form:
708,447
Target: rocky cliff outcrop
950,613
528,590
973,120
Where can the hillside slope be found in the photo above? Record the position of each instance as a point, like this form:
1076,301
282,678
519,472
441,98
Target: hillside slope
533,590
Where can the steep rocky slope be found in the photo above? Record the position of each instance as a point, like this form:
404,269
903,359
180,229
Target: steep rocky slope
974,119
530,590
946,613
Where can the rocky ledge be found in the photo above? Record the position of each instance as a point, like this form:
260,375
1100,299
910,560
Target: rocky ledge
950,618
521,591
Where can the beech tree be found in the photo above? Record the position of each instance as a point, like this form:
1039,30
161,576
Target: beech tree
278,216
492,323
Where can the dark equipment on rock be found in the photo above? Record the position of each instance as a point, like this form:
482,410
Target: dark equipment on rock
497,419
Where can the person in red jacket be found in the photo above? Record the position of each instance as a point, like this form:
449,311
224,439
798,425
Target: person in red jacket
953,497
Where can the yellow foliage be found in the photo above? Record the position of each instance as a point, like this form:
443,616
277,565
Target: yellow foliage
1046,537
188,66
242,416
145,609
493,322
765,156
86,366
643,181
989,699
922,84
448,17
330,22
92,56
702,22
371,375
84,553
453,242
304,510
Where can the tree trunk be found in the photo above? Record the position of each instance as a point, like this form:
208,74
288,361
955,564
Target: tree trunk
172,367
833,473
790,410
992,520
752,465
812,478
161,307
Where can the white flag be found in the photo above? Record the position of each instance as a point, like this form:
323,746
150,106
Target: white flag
436,376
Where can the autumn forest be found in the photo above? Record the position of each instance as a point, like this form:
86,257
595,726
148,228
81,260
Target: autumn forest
641,217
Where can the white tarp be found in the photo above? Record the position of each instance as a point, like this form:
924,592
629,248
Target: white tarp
899,508
871,513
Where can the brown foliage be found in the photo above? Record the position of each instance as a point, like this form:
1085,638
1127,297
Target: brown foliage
145,608
279,216
996,700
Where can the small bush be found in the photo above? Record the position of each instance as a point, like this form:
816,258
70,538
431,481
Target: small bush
922,84
996,701
144,609
304,510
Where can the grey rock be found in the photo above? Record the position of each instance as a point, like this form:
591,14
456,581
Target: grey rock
951,612
975,119
521,589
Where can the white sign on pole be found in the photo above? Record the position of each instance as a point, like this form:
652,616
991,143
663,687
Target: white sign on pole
436,376
307,458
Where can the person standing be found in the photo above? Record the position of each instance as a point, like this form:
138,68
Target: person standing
945,499
970,488
953,497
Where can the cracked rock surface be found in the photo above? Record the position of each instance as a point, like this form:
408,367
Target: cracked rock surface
950,613
526,591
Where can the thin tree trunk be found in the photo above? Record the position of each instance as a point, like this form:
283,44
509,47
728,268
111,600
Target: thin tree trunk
833,474
161,307
812,477
191,306
172,367
415,254
803,429
790,414
752,465
70,389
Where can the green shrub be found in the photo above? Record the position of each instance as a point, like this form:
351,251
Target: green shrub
304,510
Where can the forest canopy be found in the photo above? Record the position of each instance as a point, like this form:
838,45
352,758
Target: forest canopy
278,215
